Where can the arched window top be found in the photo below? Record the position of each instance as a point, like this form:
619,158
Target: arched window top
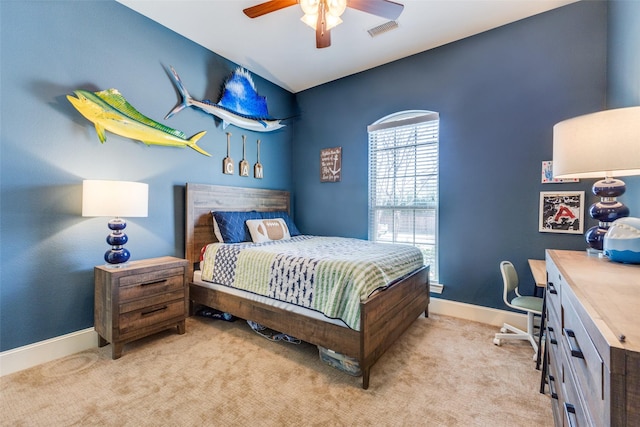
403,118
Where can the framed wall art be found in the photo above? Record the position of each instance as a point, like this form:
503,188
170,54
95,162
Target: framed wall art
331,164
561,212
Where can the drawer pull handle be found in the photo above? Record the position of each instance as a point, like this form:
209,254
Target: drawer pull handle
552,335
552,288
552,387
153,282
570,414
147,313
573,343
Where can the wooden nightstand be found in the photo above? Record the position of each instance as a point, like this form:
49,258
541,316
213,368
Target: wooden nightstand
138,300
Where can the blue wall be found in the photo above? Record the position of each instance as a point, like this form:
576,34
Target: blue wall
47,249
498,94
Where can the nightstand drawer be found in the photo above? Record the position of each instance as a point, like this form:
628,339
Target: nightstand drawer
142,285
153,300
152,315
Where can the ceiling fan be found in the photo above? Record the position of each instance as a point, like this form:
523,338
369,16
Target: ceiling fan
323,15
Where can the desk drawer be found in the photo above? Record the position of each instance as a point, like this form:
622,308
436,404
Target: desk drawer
584,360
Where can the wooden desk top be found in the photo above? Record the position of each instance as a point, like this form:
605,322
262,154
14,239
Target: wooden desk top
539,271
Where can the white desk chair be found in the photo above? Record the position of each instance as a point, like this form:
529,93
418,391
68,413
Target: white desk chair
531,305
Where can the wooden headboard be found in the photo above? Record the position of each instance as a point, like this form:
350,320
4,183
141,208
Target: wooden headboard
201,199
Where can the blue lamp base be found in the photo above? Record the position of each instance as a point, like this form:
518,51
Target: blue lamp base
117,256
607,210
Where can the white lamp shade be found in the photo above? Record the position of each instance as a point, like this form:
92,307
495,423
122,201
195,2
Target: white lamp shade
114,198
606,143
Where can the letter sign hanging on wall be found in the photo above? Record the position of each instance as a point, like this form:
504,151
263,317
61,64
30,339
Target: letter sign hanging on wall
227,163
331,164
257,168
244,165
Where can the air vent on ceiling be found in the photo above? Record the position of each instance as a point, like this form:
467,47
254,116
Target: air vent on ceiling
387,26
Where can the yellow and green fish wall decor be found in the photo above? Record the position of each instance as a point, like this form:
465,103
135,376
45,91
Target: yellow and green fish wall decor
109,110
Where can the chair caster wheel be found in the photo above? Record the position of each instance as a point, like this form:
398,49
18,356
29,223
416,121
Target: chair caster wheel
503,330
497,341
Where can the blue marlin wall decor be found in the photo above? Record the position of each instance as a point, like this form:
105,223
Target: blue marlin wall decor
239,105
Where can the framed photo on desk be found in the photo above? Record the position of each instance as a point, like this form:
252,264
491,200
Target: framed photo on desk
561,212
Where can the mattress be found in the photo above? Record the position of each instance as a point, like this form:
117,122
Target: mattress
330,275
197,279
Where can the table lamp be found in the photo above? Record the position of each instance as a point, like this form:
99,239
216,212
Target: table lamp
115,199
600,145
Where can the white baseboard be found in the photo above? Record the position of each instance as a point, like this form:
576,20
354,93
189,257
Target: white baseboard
436,288
34,354
477,313
45,351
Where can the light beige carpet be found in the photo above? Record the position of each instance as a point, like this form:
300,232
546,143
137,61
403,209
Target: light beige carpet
441,372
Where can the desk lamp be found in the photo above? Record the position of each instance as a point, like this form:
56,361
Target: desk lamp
600,145
115,199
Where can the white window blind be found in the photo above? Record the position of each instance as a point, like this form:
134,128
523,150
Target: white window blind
403,182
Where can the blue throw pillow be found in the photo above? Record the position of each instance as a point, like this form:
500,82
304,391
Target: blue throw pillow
293,230
232,225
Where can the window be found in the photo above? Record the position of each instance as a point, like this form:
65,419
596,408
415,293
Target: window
403,182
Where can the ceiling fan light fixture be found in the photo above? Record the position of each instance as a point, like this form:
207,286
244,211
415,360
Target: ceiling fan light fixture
310,7
336,7
310,20
332,21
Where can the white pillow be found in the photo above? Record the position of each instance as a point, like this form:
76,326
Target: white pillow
267,230
216,230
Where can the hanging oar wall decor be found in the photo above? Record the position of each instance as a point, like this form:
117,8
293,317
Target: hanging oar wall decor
257,168
244,165
227,163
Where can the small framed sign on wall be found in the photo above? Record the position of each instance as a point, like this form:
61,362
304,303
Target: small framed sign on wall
331,164
561,212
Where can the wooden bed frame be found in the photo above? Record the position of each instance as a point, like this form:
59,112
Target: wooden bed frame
384,316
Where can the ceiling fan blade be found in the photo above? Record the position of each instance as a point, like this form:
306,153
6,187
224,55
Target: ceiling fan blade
268,7
385,8
323,36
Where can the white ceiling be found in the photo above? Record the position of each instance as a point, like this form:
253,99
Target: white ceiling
281,48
